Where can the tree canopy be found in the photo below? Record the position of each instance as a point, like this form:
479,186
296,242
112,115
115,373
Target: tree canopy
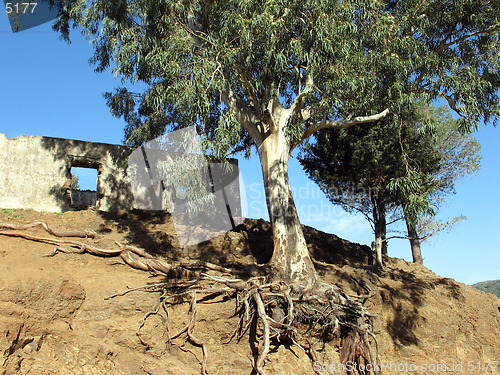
406,163
272,73
208,63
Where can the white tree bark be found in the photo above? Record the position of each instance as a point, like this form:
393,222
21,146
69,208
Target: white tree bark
291,260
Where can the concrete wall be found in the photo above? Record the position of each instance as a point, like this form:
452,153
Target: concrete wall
35,173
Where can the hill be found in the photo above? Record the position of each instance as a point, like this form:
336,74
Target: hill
491,286
73,313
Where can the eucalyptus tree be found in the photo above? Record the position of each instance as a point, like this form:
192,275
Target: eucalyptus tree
271,73
458,156
401,168
355,168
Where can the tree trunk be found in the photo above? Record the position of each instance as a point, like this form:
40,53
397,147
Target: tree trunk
416,252
382,227
379,246
291,261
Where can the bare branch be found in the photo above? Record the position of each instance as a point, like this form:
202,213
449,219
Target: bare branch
343,123
355,208
395,220
400,237
309,85
426,232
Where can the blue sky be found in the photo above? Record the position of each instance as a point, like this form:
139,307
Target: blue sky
48,88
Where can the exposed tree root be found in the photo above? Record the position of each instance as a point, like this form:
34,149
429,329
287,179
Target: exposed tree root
281,314
188,329
83,247
133,256
277,311
84,234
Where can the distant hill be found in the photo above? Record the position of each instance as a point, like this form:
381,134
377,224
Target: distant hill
491,286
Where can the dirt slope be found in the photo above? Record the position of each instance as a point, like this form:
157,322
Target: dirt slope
55,318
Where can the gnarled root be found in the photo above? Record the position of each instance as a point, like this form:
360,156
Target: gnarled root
82,234
280,312
290,313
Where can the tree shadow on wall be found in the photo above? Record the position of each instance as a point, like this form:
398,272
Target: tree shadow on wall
68,153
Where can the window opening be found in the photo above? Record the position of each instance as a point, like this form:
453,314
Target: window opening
84,189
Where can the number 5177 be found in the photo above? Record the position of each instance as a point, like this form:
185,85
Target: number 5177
20,8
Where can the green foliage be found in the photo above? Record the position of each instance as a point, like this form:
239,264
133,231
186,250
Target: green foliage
406,163
10,212
360,56
457,155
75,182
369,161
492,286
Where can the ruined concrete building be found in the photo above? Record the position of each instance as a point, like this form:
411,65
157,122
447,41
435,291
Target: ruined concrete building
35,172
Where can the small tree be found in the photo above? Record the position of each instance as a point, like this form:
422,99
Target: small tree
355,167
75,182
403,167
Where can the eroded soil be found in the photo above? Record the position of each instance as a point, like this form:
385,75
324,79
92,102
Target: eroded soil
55,318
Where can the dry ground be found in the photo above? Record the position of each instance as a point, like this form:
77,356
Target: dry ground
54,318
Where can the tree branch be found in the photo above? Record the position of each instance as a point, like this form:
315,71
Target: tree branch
242,112
370,220
453,105
399,237
467,36
343,123
193,29
395,220
444,45
308,88
250,91
246,118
